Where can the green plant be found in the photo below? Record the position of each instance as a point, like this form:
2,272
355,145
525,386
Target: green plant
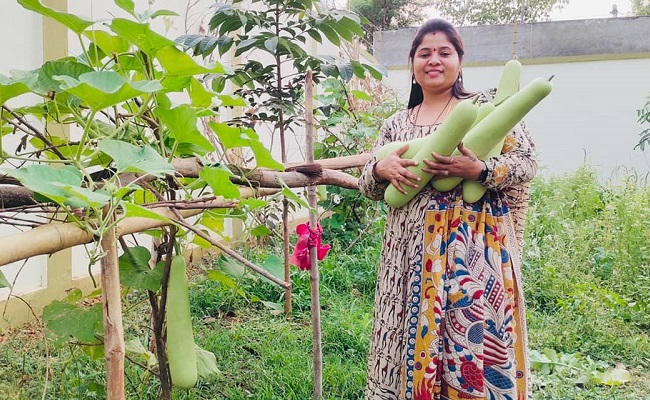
586,267
643,118
553,365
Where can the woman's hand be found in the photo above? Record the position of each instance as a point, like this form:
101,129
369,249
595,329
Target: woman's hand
393,169
466,165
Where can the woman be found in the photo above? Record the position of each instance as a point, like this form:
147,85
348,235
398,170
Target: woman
449,316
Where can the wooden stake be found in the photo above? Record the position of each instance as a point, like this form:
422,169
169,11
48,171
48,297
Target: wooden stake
114,349
314,278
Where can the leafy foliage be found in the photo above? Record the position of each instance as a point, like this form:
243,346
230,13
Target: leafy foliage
640,7
383,15
350,120
490,12
119,97
586,267
277,32
644,117
551,367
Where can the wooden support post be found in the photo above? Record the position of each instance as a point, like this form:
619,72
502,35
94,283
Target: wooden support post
314,278
114,348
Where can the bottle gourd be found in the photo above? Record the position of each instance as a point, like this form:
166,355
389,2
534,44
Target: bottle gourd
444,140
181,353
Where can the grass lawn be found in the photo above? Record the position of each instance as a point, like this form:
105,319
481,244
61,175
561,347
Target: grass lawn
587,286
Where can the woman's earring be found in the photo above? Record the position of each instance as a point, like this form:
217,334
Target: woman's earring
415,82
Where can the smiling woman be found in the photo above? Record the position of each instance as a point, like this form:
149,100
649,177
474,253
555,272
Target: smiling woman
448,317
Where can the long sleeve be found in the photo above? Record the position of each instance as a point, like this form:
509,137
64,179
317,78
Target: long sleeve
369,186
517,164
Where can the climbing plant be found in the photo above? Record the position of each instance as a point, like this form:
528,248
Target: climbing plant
134,105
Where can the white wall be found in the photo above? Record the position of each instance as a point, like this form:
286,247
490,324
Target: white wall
590,117
21,40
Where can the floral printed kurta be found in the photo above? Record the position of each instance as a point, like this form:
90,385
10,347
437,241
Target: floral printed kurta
449,319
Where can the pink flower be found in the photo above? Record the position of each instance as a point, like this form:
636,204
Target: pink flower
308,238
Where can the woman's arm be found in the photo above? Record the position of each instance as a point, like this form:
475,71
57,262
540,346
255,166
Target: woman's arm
517,163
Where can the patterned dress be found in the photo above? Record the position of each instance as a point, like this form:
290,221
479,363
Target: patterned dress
449,320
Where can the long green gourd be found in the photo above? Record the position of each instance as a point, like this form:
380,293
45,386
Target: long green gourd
415,144
489,132
444,140
508,86
509,82
181,354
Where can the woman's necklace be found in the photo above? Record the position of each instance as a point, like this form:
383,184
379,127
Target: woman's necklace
417,113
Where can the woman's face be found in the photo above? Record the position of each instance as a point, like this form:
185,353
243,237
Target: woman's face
436,63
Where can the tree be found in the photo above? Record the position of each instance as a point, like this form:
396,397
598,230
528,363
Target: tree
641,7
383,15
487,12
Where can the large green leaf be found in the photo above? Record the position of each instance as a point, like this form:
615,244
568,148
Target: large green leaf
141,35
50,182
65,321
219,181
102,89
232,136
183,126
126,5
47,83
108,43
177,63
131,158
229,100
346,70
206,363
201,97
78,196
136,210
10,88
275,266
41,81
213,221
134,347
135,271
73,22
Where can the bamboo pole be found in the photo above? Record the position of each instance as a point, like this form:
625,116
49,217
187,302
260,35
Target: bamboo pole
314,278
114,348
50,238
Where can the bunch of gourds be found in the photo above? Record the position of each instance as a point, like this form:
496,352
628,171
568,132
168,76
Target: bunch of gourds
482,129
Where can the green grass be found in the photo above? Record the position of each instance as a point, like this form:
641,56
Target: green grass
587,282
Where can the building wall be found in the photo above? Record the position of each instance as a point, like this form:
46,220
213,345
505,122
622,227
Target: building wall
601,74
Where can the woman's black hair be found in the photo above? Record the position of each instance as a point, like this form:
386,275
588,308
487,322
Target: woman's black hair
436,25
